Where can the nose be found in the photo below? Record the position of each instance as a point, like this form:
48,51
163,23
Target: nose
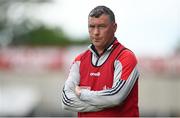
96,31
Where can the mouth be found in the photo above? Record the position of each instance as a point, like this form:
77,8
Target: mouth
96,39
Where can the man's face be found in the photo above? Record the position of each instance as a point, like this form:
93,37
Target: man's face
101,31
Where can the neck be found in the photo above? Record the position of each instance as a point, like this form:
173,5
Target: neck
100,51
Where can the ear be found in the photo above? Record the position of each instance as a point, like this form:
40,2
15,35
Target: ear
114,26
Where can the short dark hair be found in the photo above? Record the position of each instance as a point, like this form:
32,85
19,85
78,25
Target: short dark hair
99,10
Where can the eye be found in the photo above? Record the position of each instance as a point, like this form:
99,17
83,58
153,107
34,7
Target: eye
102,26
91,26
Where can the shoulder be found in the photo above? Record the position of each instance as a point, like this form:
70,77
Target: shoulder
78,59
127,57
127,60
82,55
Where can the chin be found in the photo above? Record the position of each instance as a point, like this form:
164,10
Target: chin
97,44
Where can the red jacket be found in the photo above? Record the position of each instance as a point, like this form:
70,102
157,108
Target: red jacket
129,107
112,82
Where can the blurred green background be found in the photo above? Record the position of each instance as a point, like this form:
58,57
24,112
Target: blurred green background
35,54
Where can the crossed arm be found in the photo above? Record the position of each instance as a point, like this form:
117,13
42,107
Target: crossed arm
71,100
84,100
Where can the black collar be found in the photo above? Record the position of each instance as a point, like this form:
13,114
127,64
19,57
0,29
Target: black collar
106,48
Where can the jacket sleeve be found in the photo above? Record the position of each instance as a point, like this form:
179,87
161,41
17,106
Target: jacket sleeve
125,76
69,99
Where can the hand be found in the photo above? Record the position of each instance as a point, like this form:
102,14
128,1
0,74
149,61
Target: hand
78,90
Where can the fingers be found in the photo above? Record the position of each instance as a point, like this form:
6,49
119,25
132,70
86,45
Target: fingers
77,90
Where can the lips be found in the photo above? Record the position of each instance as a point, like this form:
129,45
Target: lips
96,38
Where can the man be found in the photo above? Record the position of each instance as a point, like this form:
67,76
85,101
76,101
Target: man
103,81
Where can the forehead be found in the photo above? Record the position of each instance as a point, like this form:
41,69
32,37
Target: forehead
103,19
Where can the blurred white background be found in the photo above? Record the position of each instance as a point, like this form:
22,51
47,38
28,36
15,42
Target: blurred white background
32,77
146,26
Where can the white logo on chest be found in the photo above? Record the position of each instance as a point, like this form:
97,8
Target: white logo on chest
95,74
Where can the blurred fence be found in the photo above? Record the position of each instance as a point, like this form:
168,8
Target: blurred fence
32,59
57,58
161,65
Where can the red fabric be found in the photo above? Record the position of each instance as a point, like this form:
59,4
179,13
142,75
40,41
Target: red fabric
105,79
